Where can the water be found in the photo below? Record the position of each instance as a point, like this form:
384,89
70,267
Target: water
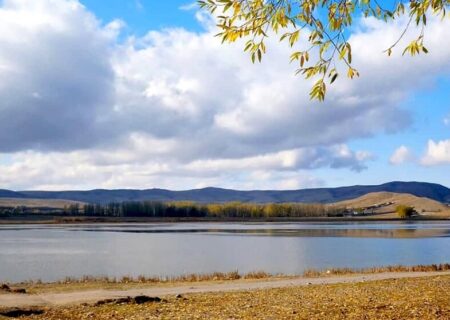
30,252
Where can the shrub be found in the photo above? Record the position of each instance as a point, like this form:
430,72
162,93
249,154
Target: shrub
404,212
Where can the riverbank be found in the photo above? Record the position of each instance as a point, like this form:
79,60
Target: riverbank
44,219
124,283
402,295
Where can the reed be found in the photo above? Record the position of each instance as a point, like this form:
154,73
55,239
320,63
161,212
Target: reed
214,276
235,275
396,268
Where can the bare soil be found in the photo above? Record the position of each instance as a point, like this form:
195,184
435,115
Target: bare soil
49,299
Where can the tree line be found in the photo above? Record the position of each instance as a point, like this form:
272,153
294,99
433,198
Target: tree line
193,209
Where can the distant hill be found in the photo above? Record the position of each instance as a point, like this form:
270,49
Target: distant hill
11,194
422,205
37,203
320,195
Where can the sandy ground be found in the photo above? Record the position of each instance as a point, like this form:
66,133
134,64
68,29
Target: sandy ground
69,298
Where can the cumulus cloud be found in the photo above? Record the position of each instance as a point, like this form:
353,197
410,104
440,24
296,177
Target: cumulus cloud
144,161
401,155
177,108
437,153
82,170
339,156
221,106
57,81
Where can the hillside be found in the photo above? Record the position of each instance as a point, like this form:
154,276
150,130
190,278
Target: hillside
11,194
319,195
36,203
424,206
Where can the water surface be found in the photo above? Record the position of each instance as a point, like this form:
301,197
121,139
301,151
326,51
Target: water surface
51,252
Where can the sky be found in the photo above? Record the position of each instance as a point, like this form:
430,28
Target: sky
140,94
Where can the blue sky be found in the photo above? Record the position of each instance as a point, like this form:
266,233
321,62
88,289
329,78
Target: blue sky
144,15
429,108
140,94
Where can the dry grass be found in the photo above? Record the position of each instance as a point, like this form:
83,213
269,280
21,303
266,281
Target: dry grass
399,268
215,276
37,203
418,298
124,283
235,275
127,282
422,205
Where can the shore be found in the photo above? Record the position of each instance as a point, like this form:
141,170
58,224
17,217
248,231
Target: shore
44,219
399,295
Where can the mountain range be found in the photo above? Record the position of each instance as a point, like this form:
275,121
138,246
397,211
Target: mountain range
318,195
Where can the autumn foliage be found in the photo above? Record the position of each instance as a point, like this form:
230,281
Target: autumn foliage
404,212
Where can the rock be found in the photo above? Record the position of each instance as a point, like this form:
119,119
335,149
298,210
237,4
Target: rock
145,299
18,290
113,301
5,287
137,300
19,312
179,296
123,300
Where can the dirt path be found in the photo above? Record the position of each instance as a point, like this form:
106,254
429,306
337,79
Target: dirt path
55,299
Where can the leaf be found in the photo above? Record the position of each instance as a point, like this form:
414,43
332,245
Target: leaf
248,45
333,78
352,73
318,91
327,22
293,38
349,53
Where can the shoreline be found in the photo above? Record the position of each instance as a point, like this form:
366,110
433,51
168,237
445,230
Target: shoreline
93,295
61,220
420,292
170,301
232,276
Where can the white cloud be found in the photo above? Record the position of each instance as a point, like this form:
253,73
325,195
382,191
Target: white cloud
280,181
144,161
339,156
179,109
401,155
189,6
437,153
249,109
55,76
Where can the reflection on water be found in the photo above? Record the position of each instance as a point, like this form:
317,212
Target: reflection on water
358,230
51,252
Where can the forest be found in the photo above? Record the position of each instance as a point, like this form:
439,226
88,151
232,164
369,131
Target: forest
193,209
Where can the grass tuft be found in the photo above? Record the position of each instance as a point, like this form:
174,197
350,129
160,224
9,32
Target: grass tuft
215,276
235,275
397,268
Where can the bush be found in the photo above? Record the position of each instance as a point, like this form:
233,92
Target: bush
404,212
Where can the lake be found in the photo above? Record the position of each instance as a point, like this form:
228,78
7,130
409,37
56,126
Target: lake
53,252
